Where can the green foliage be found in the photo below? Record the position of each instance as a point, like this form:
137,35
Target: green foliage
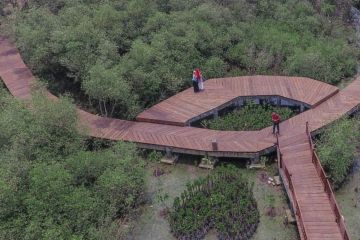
223,200
327,60
106,86
136,53
250,117
337,148
51,188
154,156
54,123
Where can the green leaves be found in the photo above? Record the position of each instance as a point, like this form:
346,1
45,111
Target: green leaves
49,128
337,148
223,200
250,117
328,61
50,187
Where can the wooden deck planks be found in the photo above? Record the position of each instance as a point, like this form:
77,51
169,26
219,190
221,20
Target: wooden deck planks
224,90
317,215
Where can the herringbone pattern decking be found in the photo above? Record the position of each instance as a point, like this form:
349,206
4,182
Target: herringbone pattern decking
187,105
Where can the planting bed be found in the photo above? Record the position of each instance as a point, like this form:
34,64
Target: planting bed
222,200
250,117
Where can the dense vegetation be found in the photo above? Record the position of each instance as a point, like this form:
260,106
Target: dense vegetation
126,55
337,148
250,117
223,200
50,186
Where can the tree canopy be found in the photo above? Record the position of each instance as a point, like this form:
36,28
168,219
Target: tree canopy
127,55
51,186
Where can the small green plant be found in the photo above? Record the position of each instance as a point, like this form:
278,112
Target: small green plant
250,117
161,197
270,199
223,200
154,156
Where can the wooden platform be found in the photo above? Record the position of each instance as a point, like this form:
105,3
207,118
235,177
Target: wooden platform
318,218
186,106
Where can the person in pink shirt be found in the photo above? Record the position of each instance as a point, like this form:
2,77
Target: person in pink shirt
199,79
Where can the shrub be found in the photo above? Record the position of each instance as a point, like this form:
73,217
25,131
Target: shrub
250,117
337,148
51,188
223,200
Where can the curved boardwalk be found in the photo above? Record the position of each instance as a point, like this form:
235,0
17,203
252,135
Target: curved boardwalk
308,189
186,107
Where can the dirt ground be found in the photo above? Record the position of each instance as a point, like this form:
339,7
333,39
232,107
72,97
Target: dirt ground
161,191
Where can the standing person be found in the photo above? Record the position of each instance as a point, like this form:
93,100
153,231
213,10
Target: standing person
276,121
195,82
200,79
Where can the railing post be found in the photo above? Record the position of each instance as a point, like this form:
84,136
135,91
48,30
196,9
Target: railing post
307,127
214,144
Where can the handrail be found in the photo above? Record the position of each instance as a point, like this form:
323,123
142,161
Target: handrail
327,188
298,210
311,143
296,205
279,155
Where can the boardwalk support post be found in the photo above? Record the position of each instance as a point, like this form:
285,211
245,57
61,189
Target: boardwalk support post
302,108
216,114
208,162
256,158
239,103
254,162
214,145
169,157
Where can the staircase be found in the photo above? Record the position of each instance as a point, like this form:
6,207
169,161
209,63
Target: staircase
313,201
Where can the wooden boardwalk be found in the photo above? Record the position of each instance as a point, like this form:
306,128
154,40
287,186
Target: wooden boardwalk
317,213
186,106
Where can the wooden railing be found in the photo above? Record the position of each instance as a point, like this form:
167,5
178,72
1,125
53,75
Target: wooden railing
327,187
279,156
288,177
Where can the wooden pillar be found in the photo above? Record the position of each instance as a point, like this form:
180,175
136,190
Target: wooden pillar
239,103
216,114
255,159
170,157
168,152
302,108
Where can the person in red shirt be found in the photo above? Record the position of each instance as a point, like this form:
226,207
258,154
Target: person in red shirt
276,121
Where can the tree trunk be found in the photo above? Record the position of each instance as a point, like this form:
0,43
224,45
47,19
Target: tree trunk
105,109
113,108
101,111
